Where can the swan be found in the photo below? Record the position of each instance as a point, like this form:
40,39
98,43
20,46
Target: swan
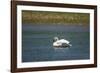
61,42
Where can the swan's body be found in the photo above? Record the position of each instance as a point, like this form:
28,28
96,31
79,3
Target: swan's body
61,42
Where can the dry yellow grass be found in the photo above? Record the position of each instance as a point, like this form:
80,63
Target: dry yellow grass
45,17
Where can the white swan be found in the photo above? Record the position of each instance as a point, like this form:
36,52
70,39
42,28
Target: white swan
61,42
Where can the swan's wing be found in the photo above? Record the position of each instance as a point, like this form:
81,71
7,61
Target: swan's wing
64,41
57,43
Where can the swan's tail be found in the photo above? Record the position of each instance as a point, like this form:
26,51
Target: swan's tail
70,45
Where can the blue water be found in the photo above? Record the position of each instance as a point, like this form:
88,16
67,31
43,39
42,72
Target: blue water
37,42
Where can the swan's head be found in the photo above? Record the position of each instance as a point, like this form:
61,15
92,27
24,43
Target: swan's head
55,39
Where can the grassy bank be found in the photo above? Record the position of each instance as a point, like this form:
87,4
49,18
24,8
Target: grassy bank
39,17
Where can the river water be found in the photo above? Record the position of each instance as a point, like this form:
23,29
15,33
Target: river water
37,42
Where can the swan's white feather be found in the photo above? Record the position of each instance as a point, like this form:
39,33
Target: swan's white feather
63,41
59,42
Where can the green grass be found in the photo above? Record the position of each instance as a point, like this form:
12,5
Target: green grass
39,17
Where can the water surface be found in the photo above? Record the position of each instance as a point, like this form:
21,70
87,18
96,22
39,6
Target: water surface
37,42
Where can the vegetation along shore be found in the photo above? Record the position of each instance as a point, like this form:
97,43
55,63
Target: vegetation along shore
47,17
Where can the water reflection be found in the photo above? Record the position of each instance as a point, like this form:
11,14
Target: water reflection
61,49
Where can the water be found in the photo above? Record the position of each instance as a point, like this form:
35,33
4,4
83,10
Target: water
37,42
